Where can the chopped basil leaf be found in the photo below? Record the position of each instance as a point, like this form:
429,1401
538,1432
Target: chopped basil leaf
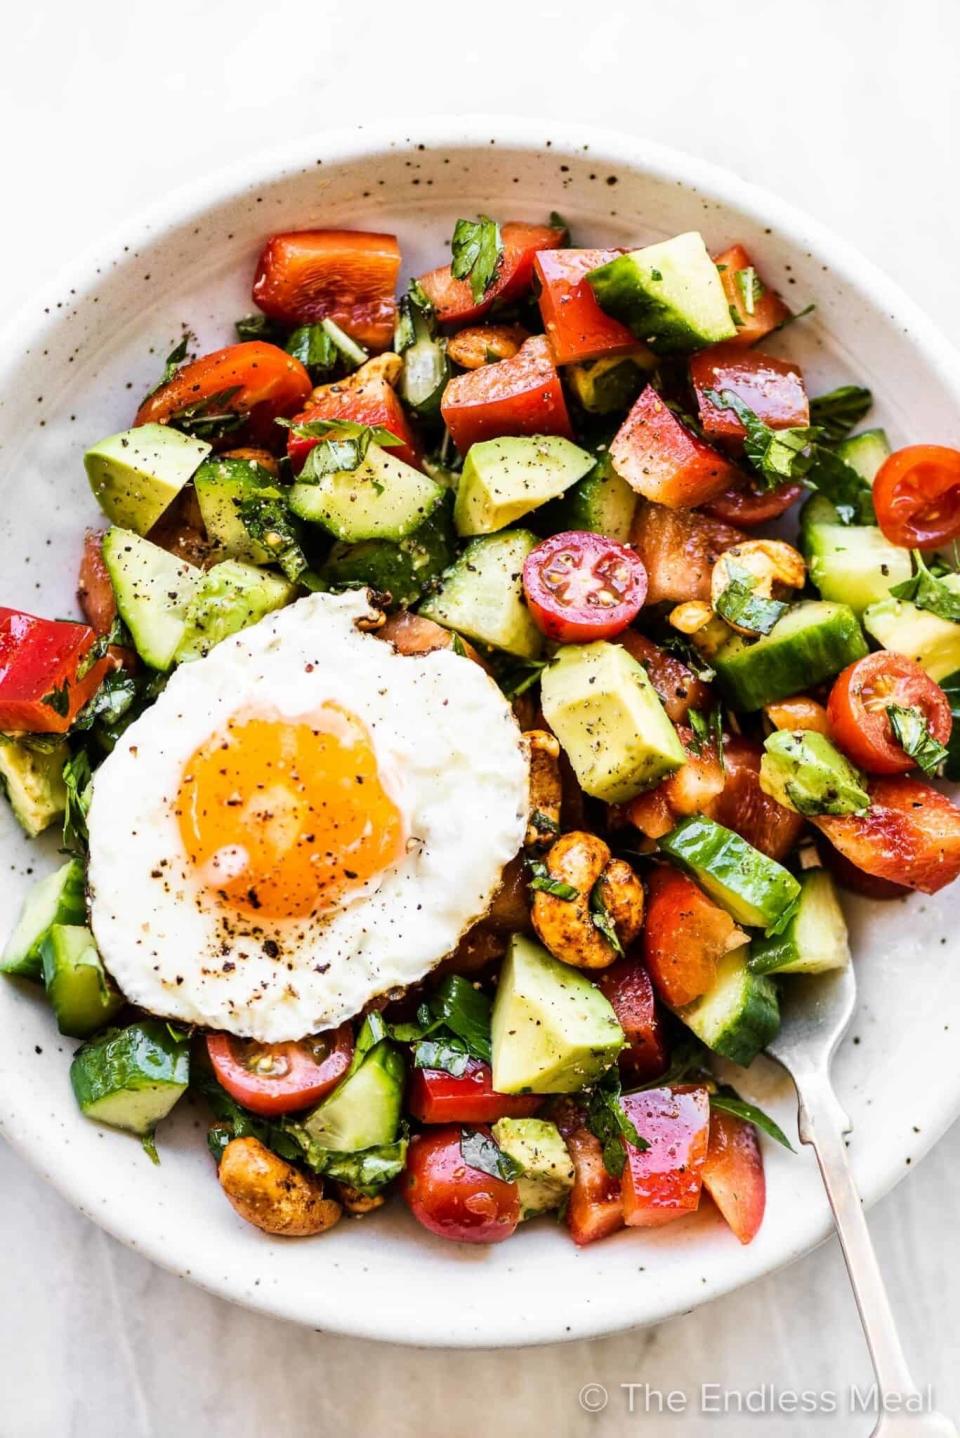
681,648
656,275
699,730
259,327
465,1011
210,418
544,883
58,699
449,1055
738,604
543,823
477,250
342,446
790,319
910,730
172,363
927,591
148,1142
836,412
608,1121
114,698
353,354
481,1152
234,1121
516,678
557,222
728,1102
689,1063
269,522
602,918
751,288
316,351
416,318
707,731
76,777
842,485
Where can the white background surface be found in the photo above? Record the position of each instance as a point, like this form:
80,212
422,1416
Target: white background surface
851,111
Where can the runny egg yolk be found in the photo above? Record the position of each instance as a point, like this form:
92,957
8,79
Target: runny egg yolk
282,819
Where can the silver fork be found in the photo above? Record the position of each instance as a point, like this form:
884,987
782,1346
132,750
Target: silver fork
816,1012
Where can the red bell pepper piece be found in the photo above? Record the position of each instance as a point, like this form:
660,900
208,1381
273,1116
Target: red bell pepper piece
679,548
910,834
627,986
772,388
348,276
94,590
663,460
684,936
769,311
434,1096
42,686
595,1206
521,395
453,299
747,809
663,1181
576,326
733,1173
365,399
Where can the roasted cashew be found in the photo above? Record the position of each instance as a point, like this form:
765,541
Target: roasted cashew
273,1195
358,1203
484,344
567,926
775,566
387,366
261,457
622,895
543,752
414,634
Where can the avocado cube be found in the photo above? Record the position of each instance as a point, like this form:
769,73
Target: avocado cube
670,294
804,772
222,487
153,590
136,475
608,717
546,1168
552,1030
83,996
32,780
231,596
504,479
131,1078
900,626
481,595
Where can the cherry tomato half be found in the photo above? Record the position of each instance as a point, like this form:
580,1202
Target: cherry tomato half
745,505
859,703
280,1078
453,1199
580,586
917,496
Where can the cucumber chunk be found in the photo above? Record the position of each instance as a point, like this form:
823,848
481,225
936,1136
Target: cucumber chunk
865,452
814,940
404,569
739,1014
546,1168
933,642
753,889
602,502
382,498
131,1078
223,486
364,1110
670,294
481,595
504,479
153,592
57,899
812,642
804,772
611,384
32,780
83,996
231,596
854,564
137,475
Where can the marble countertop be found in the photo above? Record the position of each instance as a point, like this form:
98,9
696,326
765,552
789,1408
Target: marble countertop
852,112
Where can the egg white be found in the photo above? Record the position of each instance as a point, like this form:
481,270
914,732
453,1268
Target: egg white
450,754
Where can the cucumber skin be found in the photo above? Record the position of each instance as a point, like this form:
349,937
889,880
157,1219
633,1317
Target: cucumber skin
23,955
785,952
405,569
137,1057
454,605
716,857
81,994
753,675
754,1027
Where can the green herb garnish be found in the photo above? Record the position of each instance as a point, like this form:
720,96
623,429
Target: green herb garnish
58,699
477,251
342,446
740,605
210,418
912,733
602,918
608,1121
728,1102
836,412
543,882
76,777
751,288
480,1151
927,590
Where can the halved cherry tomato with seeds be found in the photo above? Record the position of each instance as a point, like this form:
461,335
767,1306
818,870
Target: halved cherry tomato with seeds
580,586
916,494
859,705
451,1197
280,1078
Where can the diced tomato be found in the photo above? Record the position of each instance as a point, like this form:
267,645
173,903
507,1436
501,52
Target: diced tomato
679,548
859,710
453,1199
348,276
627,986
916,493
434,1096
684,937
42,684
580,586
521,395
910,834
733,1173
772,388
255,379
664,460
692,789
595,1206
678,687
769,311
453,299
271,1079
94,590
576,326
748,506
365,398
663,1181
747,810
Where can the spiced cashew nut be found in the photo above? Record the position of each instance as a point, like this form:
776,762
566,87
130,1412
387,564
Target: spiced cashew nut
273,1195
543,752
567,926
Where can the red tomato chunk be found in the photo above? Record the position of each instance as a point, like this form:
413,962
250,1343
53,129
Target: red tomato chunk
434,1096
364,399
453,1199
772,388
453,300
521,395
42,686
576,326
663,1181
664,461
769,311
595,1206
733,1173
909,835
627,986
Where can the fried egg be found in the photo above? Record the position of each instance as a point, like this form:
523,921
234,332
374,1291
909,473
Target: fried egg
303,820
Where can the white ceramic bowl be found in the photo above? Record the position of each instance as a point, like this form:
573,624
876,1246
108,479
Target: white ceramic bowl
72,369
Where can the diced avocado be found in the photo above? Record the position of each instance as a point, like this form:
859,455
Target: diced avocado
504,479
546,1169
753,889
854,564
382,498
481,595
223,486
32,779
153,592
231,596
138,474
56,899
933,642
610,385
739,1014
404,569
602,502
814,940
803,771
609,719
670,294
131,1078
552,1029
364,1110
865,452
812,642
83,996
